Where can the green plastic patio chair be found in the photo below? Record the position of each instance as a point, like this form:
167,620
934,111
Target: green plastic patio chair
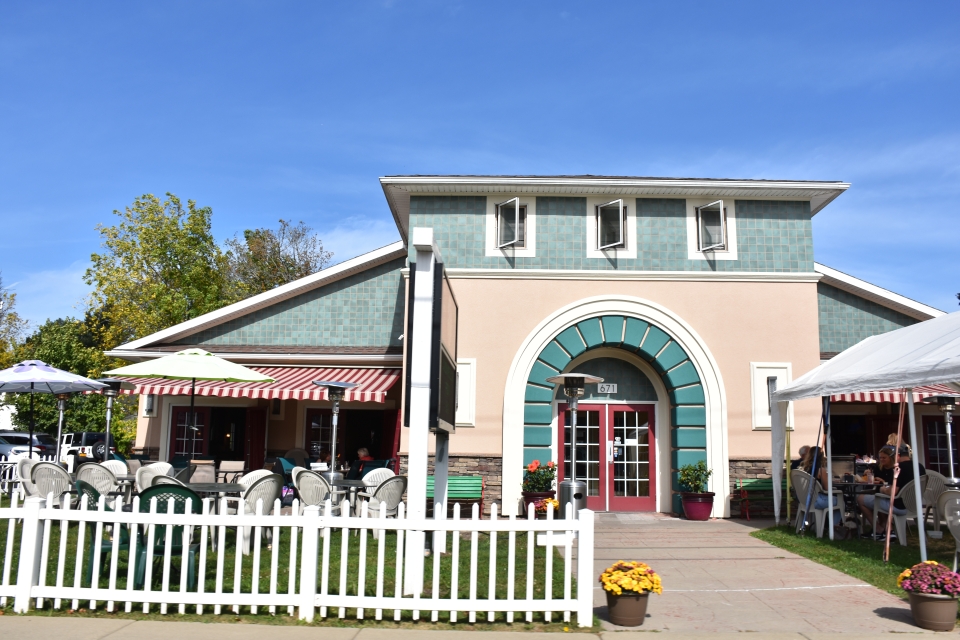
88,492
180,496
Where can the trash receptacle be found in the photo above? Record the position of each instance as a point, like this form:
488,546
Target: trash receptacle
575,493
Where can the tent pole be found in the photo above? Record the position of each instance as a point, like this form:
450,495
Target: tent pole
826,431
788,459
801,525
192,422
916,475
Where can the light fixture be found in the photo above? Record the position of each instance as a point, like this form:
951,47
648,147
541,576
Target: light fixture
948,405
112,390
573,386
335,393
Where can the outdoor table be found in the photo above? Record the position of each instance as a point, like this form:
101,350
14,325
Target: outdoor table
850,492
352,487
216,487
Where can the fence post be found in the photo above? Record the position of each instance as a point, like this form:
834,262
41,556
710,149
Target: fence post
31,540
308,563
585,571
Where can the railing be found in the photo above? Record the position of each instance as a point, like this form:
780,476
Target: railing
304,562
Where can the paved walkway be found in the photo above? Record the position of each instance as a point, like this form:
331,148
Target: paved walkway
719,579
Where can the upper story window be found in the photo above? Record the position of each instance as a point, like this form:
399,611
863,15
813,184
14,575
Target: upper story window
712,227
511,224
611,222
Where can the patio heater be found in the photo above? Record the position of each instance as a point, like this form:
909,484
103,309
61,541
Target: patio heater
335,392
948,405
62,407
112,390
572,490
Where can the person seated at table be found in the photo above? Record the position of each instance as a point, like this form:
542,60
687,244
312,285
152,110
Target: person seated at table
363,454
884,476
795,464
817,458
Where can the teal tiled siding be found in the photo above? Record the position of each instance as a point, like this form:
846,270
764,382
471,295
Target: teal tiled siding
846,319
771,235
362,310
686,424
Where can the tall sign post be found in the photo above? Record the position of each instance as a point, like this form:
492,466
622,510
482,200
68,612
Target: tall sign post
431,376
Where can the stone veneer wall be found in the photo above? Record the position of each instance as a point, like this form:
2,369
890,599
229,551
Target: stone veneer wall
490,467
761,503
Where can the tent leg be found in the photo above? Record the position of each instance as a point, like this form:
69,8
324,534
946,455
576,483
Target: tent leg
916,475
826,430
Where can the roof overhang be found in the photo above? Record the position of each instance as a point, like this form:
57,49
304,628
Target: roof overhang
883,297
292,358
398,189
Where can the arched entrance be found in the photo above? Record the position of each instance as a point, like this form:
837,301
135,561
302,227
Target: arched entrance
689,414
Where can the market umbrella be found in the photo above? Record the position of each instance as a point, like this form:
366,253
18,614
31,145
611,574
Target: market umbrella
35,376
192,365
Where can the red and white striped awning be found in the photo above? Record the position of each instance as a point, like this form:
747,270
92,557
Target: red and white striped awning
292,383
895,395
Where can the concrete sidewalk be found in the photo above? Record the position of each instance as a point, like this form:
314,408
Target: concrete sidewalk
716,578
64,628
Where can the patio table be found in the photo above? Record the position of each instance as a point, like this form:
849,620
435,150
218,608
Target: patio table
216,487
352,487
850,492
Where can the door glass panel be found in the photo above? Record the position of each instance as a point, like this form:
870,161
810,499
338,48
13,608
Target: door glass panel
588,449
937,448
631,454
319,432
187,440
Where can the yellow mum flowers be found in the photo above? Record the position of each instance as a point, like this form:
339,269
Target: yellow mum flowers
630,576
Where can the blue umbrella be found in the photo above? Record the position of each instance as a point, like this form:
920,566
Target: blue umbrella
35,376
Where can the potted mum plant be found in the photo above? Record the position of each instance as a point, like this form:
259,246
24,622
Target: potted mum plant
697,501
628,585
933,591
538,482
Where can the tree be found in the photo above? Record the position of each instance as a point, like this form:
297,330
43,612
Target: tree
265,258
160,266
71,345
12,327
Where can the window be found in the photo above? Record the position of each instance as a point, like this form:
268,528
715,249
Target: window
712,226
511,224
610,225
466,392
149,405
276,409
760,373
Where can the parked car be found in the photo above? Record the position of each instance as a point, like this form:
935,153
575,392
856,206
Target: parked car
42,443
8,448
85,445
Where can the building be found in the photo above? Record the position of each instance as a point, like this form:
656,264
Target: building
685,295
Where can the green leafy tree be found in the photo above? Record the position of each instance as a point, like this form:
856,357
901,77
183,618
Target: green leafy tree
71,345
12,327
268,258
160,266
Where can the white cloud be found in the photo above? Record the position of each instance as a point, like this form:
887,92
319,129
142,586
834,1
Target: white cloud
51,293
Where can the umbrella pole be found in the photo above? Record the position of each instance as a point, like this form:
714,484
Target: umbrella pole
193,419
62,405
32,423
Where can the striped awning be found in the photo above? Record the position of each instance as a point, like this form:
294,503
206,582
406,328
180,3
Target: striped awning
292,383
895,395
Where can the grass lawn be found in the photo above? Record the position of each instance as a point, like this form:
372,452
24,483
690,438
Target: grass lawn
353,557
861,559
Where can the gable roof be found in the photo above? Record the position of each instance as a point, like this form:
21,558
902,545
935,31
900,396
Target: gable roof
398,189
266,299
883,297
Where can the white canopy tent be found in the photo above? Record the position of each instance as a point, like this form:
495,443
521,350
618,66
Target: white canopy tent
921,354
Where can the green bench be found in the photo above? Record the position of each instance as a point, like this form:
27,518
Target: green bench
742,488
465,490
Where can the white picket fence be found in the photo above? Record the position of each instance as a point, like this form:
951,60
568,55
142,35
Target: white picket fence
303,562
9,480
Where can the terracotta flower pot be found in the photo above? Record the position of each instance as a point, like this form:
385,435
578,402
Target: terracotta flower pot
697,506
628,609
934,612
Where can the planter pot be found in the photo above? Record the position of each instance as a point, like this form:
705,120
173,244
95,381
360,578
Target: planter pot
934,612
628,609
534,496
697,506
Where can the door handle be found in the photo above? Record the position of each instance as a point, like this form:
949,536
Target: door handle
609,452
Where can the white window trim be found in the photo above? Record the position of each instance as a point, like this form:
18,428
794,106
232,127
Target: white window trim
466,392
629,250
759,371
530,238
623,241
730,227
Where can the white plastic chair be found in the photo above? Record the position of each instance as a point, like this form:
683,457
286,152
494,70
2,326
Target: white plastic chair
298,456
145,475
233,502
948,504
936,484
386,497
24,468
50,478
162,480
118,467
909,497
267,490
98,476
801,480
314,490
375,477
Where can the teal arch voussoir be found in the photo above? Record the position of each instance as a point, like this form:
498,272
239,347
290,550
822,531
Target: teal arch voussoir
687,395
612,330
570,340
539,374
683,375
653,343
537,413
590,330
554,356
669,358
537,394
634,332
543,454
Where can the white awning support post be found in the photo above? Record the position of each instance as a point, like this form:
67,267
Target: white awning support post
778,430
827,434
419,344
916,475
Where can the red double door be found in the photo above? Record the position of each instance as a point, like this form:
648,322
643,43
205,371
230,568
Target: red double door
187,442
616,455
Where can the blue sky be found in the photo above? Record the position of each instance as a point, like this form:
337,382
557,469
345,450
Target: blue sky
282,109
